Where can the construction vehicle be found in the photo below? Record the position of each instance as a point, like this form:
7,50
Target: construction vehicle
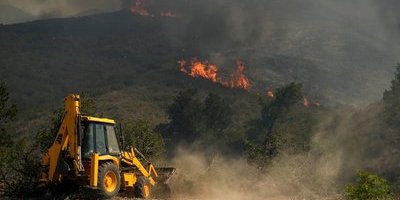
87,152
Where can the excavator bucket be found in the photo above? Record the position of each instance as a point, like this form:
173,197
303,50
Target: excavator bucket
164,174
162,189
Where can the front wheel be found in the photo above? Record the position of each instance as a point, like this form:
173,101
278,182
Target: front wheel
109,181
142,187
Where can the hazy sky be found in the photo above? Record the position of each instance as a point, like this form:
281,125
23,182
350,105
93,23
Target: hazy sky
14,11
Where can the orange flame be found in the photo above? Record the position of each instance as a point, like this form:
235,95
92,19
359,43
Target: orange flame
205,70
209,71
240,80
139,7
306,103
270,93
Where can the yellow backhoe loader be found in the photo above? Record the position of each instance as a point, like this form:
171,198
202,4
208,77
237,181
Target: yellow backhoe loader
87,152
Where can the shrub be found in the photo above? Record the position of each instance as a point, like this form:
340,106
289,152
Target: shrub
369,187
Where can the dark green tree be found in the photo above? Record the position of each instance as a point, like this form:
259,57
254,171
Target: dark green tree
369,187
217,113
18,161
19,169
194,120
272,110
7,114
140,135
391,100
284,99
185,116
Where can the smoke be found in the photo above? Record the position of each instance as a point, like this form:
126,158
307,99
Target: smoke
390,17
353,45
252,19
344,142
244,19
43,9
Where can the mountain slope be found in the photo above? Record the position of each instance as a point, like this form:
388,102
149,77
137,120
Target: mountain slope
44,60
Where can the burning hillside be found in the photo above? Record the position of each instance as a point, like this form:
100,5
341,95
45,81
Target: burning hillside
139,7
203,69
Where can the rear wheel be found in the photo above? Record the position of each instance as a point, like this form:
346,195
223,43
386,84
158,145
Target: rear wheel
142,187
109,180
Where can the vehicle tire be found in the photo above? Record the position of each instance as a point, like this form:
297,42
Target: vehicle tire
142,187
109,181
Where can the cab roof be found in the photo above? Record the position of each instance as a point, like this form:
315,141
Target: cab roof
97,119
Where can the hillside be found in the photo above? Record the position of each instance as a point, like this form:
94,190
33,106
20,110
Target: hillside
120,54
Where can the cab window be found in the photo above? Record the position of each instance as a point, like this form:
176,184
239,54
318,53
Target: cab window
99,138
101,147
88,140
112,141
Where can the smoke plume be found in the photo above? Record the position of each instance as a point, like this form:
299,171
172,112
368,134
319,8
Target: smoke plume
353,44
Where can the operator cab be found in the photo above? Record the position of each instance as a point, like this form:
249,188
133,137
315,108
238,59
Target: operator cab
99,136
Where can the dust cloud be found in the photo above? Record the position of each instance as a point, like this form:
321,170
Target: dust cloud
227,178
343,143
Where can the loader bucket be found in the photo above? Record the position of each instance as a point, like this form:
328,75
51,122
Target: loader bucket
164,174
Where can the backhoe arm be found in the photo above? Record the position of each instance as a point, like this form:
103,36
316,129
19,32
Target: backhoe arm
67,140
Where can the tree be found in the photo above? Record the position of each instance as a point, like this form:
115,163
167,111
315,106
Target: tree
369,187
272,110
19,169
185,116
194,120
284,99
18,162
140,135
391,100
7,114
217,113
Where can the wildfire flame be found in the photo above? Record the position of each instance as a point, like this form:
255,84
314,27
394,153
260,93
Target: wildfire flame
139,7
270,93
206,70
306,103
203,69
240,80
